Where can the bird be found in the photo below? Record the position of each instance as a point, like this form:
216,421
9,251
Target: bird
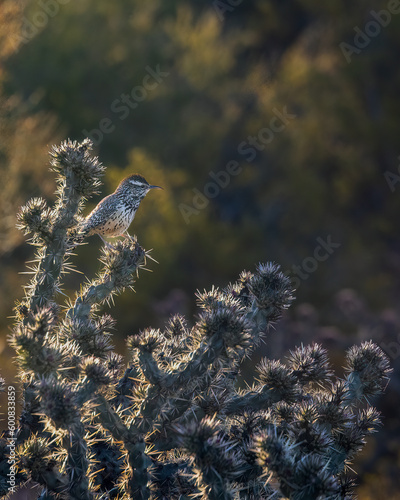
114,214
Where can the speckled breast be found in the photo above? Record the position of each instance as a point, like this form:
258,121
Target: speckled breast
118,222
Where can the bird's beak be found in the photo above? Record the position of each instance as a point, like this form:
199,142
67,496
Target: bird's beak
155,187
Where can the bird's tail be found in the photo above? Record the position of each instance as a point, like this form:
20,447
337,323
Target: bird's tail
77,234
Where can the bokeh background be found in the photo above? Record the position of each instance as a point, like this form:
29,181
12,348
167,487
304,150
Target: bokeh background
177,91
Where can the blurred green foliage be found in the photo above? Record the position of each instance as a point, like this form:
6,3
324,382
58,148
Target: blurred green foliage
227,70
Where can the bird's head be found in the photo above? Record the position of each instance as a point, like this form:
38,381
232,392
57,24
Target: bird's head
136,184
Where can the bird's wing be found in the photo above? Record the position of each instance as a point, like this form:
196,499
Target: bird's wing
97,216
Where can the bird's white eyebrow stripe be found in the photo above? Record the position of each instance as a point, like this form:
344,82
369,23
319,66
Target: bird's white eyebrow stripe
137,183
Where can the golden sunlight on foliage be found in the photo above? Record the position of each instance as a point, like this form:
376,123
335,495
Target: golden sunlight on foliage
203,53
10,24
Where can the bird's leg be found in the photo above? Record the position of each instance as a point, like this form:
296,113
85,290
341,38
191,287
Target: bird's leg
125,234
104,241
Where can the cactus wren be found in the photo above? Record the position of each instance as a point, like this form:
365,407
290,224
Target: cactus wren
114,214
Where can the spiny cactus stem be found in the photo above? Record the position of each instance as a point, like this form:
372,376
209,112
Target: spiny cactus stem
149,410
216,489
51,264
253,489
125,385
134,445
48,272
54,481
254,400
196,368
354,388
77,464
202,358
176,413
337,460
95,294
99,293
150,369
112,421
259,322
353,394
139,462
67,206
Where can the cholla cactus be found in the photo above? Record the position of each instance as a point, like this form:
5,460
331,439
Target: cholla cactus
173,424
